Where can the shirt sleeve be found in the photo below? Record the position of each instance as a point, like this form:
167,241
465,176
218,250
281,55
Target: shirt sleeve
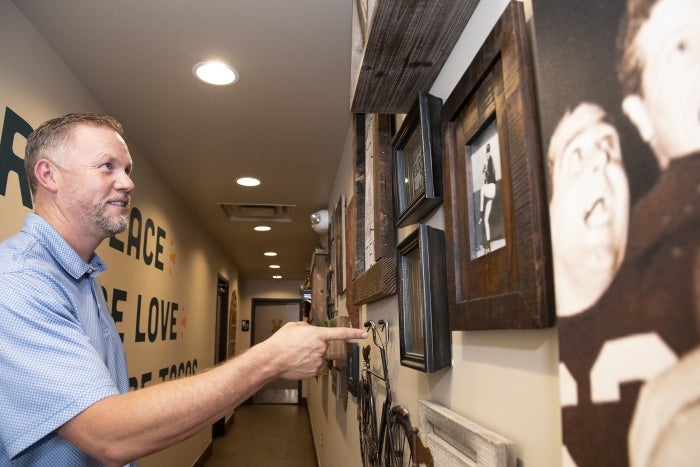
50,370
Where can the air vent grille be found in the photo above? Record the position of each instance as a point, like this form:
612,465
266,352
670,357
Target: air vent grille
239,212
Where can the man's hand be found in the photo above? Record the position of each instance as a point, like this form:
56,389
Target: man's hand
298,348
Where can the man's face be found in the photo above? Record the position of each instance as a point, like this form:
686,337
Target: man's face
96,168
669,46
589,207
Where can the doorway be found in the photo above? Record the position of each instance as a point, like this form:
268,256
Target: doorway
267,316
221,341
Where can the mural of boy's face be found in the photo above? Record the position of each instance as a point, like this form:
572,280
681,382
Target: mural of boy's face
589,207
667,113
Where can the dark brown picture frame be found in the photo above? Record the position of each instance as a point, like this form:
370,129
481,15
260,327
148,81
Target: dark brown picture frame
424,327
510,287
338,246
418,161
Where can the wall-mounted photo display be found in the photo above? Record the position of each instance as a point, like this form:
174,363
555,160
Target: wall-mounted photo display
418,161
424,326
620,124
497,236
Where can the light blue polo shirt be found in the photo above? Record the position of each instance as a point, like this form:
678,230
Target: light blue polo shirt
59,349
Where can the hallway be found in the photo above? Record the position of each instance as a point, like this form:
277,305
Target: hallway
267,435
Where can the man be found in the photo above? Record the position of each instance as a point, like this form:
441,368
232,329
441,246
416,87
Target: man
647,319
65,398
659,69
589,207
487,194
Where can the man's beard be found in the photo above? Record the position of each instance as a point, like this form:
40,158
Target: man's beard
104,224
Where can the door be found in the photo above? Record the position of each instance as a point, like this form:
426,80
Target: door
221,341
268,315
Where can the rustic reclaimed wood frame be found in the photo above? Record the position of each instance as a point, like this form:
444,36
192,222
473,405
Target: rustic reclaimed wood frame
455,440
424,327
375,240
418,161
350,234
338,246
510,287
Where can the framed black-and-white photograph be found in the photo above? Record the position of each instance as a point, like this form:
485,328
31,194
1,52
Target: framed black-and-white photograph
497,242
488,226
423,316
418,161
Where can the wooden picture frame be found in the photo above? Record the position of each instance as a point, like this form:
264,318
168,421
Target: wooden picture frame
424,327
418,161
233,323
338,246
375,232
509,285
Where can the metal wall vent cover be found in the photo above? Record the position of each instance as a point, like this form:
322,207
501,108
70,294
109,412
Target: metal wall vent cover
258,212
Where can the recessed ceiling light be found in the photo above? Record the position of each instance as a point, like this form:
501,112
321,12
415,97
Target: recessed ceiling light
248,181
277,276
263,228
214,72
270,253
274,266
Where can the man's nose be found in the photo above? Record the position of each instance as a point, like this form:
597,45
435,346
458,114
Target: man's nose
599,158
125,182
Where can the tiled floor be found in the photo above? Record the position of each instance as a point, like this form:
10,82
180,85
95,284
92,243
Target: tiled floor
265,435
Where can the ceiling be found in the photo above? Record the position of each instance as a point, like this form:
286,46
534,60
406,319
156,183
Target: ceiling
285,121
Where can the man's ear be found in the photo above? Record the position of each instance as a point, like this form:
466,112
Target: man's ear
46,175
633,106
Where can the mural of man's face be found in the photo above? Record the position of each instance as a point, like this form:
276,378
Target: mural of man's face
589,207
667,113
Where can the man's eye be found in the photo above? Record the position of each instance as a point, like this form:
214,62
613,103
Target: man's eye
605,145
574,161
106,166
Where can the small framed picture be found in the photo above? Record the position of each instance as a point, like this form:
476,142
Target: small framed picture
423,315
418,164
352,365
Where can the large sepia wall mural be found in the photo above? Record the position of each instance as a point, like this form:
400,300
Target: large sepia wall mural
620,123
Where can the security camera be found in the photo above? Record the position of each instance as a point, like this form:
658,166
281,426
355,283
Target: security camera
319,221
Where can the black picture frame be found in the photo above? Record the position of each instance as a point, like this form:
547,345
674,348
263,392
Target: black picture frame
418,161
509,287
424,327
352,365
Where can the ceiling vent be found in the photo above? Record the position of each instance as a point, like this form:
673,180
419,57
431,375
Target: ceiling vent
258,212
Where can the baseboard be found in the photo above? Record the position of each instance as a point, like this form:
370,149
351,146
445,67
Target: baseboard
205,455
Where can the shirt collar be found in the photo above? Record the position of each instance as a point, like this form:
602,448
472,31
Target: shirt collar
62,252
